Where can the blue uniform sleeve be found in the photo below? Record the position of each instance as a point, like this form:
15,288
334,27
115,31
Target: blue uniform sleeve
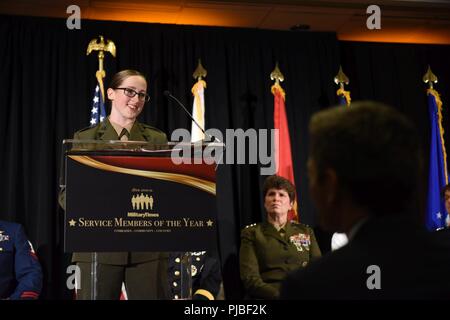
207,285
27,268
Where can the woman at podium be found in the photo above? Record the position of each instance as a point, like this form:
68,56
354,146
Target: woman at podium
139,271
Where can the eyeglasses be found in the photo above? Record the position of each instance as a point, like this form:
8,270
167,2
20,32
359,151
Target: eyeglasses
131,93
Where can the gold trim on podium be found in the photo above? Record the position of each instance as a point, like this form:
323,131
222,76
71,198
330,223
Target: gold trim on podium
201,184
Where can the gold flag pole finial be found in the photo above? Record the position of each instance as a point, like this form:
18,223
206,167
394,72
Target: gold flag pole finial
101,47
341,78
430,78
276,75
200,72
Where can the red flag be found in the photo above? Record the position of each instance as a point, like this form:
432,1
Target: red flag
283,156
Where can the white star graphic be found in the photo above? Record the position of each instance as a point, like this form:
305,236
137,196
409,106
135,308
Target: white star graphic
97,88
95,99
101,118
93,121
94,110
439,215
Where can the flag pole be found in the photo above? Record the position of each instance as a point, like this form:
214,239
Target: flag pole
341,79
430,78
278,77
98,103
101,47
276,88
283,153
198,107
438,176
98,112
199,72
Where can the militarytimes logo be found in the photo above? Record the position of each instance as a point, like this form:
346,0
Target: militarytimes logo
142,200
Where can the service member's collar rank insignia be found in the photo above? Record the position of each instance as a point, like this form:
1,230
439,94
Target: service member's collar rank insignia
301,241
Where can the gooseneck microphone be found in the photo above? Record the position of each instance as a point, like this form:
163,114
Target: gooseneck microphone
169,95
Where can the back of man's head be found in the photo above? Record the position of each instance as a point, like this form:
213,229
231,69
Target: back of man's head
374,151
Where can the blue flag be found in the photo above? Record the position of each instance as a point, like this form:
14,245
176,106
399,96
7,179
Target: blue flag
342,100
98,112
438,177
344,97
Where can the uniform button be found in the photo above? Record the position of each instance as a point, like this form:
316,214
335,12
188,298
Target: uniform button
177,260
177,273
175,284
176,297
198,258
304,263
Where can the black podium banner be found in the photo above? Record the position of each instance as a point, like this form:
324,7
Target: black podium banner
138,202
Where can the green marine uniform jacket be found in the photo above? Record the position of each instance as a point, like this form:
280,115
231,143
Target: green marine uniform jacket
105,131
266,257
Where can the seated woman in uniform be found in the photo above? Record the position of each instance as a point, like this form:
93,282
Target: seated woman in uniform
270,250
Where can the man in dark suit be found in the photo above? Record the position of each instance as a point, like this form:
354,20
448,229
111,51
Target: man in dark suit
364,170
20,271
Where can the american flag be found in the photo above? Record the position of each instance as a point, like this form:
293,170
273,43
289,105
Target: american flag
98,112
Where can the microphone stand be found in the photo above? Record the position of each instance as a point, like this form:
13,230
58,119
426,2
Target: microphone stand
210,138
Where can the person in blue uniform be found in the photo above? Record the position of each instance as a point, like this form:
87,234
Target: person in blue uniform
20,271
206,276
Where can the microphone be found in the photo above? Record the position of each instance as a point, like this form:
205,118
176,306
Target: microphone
169,95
